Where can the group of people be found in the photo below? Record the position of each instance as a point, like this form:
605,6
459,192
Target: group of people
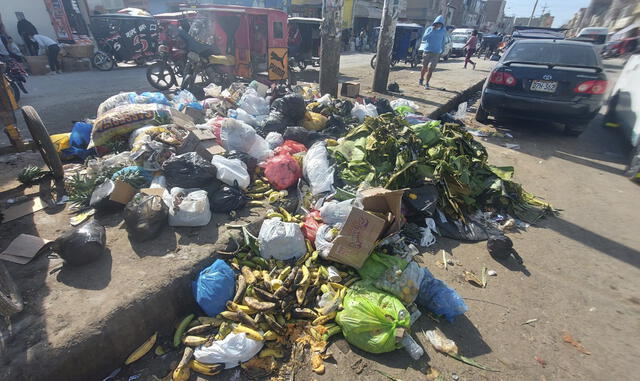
35,44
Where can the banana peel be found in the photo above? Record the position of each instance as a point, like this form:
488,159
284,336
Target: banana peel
182,372
142,349
251,333
322,319
182,327
194,341
276,353
206,369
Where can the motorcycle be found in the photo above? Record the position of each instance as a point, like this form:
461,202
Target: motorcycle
17,77
163,74
209,68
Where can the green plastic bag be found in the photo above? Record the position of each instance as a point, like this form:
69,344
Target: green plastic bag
370,318
429,132
377,263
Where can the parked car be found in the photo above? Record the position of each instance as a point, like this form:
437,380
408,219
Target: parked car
547,80
457,44
597,37
448,46
623,110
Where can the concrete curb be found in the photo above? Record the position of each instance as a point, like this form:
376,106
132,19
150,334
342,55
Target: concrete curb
455,101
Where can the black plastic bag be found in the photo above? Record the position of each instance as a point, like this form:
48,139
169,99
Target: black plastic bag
292,106
249,161
81,245
188,170
275,122
100,198
335,127
472,231
500,247
422,200
226,199
145,216
383,106
302,135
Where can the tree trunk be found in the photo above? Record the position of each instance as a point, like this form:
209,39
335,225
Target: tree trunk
385,45
331,32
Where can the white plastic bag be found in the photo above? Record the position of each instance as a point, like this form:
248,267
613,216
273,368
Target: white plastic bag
405,286
115,101
361,111
428,238
187,207
239,136
325,99
274,139
231,170
281,240
403,102
335,212
230,351
253,103
316,169
462,110
324,239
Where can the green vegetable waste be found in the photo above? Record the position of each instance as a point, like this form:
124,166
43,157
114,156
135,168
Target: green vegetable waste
386,151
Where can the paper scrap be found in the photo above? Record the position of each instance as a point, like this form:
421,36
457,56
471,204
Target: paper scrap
24,209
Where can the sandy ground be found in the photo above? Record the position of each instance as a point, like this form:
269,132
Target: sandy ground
581,274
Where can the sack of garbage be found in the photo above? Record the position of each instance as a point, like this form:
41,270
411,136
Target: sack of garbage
275,122
361,111
313,121
81,245
282,171
231,171
253,103
234,349
302,135
115,101
439,298
291,147
79,141
187,207
370,317
101,197
394,275
422,200
188,170
145,216
335,127
281,240
317,170
122,120
249,161
227,198
239,136
214,286
383,106
292,106
274,139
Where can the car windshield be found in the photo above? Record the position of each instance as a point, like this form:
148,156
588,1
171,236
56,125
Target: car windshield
459,38
598,39
560,54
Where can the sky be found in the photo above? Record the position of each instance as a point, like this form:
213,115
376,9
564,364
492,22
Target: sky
562,10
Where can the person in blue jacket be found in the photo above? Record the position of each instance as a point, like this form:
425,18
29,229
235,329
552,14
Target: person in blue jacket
432,45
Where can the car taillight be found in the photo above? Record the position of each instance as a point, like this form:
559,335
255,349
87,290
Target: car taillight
502,78
591,87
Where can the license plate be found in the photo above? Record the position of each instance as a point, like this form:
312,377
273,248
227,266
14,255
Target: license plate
544,86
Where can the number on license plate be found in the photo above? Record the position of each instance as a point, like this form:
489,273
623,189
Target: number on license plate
544,86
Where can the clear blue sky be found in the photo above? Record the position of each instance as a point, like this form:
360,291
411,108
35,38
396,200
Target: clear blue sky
562,10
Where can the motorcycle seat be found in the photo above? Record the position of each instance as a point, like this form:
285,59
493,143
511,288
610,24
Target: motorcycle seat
222,60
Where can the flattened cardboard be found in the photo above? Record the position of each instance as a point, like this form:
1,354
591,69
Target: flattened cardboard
23,209
153,191
23,249
123,192
356,239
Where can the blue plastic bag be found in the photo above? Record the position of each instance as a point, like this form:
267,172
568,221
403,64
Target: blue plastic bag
150,97
79,140
146,174
214,287
439,298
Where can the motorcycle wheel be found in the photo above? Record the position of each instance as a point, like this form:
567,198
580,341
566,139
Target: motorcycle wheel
102,61
43,141
160,76
16,91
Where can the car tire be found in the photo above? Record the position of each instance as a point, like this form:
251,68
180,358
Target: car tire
482,115
445,58
574,129
633,170
609,119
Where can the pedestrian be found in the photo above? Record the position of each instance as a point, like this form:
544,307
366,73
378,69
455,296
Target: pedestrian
433,41
363,39
471,44
49,47
26,29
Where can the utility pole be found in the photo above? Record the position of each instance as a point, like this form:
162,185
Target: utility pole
385,45
532,12
330,46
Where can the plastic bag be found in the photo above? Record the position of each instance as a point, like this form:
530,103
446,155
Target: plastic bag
100,197
145,216
79,140
317,170
214,286
115,101
313,121
302,135
151,97
383,106
360,111
242,116
253,103
188,170
291,147
124,119
311,223
281,240
249,161
472,231
439,298
403,102
377,264
324,238
226,199
82,245
334,212
187,207
428,238
239,136
183,99
292,106
394,275
274,139
231,171
370,317
61,143
282,171
275,122
234,349
335,127
422,200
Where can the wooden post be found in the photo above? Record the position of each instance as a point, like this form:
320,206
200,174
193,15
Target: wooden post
385,45
331,31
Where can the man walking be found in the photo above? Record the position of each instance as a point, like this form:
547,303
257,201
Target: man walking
432,45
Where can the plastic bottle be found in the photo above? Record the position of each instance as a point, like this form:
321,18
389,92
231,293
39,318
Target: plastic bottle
439,298
412,347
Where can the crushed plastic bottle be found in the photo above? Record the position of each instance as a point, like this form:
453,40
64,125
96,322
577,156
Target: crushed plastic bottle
412,347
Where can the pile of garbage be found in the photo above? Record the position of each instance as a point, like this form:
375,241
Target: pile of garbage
351,191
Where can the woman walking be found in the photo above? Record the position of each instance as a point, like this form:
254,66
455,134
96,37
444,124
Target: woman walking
471,44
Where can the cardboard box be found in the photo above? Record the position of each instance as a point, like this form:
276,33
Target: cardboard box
350,89
70,64
122,192
362,229
79,50
38,65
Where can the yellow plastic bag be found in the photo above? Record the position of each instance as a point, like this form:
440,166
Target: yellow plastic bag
313,121
61,141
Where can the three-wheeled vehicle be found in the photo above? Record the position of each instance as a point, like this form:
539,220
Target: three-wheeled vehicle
122,37
406,45
304,42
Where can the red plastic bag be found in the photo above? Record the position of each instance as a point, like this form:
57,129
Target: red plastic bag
311,224
291,147
216,124
282,171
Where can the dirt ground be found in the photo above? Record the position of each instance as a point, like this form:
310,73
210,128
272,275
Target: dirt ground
581,278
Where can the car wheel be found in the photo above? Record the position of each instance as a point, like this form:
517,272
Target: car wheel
574,129
609,119
633,170
445,57
481,114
